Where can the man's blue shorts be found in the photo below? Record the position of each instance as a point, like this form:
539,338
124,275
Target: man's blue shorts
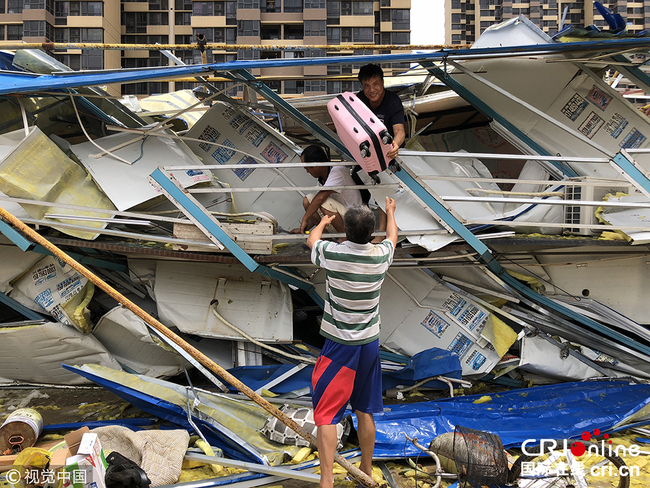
345,373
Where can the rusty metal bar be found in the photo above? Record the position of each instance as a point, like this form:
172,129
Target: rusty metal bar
195,353
49,46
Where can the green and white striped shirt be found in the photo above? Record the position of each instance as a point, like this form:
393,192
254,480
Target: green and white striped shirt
354,274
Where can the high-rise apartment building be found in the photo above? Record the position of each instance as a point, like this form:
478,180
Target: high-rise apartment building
465,20
233,22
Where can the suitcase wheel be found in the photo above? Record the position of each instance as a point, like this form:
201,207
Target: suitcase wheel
375,178
386,138
364,149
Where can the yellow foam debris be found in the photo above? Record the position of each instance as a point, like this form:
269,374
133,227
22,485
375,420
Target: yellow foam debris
301,455
277,247
207,449
41,408
483,399
499,334
534,283
613,236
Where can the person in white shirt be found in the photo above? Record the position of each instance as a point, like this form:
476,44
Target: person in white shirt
327,202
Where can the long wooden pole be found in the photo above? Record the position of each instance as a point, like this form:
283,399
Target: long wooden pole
195,353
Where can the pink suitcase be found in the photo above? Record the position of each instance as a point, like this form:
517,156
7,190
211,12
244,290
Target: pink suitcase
363,134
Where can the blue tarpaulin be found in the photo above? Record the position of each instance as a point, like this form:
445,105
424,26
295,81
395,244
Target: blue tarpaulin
425,364
543,412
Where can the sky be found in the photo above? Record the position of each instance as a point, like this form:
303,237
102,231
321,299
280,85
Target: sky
428,22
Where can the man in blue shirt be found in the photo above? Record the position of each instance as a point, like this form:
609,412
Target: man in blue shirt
386,105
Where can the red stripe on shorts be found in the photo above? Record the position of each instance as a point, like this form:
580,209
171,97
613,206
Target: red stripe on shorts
336,395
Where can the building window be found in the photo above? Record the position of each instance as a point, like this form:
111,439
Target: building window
293,31
72,61
92,9
231,13
219,35
294,87
14,7
363,34
333,10
315,86
158,5
92,35
34,28
271,32
384,3
294,54
271,6
402,19
248,4
208,32
183,4
333,35
248,28
203,8
315,27
401,37
346,34
61,9
292,6
346,8
270,54
34,4
92,59
183,18
248,55
231,36
362,8
314,3
316,53
14,32
158,18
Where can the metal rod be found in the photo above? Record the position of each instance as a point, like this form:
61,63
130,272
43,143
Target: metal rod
42,203
198,355
560,225
531,157
256,468
575,203
392,186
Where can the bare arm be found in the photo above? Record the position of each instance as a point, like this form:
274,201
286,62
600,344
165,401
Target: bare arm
315,204
398,139
391,225
318,230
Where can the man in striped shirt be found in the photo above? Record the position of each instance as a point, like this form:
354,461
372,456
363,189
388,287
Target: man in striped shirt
349,367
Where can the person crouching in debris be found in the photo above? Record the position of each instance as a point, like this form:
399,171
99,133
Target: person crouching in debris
349,367
201,42
326,202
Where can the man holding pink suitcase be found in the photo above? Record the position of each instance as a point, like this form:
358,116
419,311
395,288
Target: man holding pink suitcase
386,105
